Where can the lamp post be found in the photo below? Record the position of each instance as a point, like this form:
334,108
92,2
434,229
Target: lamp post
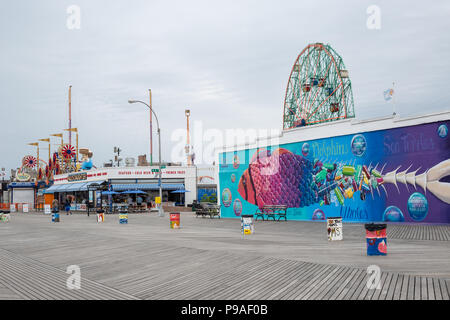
161,211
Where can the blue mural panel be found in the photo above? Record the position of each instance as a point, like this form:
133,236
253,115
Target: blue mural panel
207,195
397,175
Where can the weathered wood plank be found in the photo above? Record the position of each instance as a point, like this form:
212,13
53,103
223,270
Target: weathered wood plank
405,287
444,289
391,289
398,287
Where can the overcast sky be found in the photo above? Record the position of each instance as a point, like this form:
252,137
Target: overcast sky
229,61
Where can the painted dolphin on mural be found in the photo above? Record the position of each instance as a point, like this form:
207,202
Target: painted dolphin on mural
284,178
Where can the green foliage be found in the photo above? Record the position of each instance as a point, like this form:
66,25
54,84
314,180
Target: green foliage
212,198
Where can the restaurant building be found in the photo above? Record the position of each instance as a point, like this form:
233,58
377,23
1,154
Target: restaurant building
121,179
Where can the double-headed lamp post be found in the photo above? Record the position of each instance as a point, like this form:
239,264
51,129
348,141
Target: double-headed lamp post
161,211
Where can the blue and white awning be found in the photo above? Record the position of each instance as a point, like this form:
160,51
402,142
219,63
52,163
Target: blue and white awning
147,186
71,187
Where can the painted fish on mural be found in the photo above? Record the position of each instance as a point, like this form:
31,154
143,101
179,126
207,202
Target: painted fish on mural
284,178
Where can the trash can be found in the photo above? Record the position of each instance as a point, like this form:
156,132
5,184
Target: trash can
55,215
100,215
376,239
123,216
247,226
5,216
334,228
174,220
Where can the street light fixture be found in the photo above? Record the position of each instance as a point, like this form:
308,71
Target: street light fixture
161,210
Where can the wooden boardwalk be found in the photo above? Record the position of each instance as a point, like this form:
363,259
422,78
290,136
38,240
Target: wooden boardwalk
209,259
29,279
419,232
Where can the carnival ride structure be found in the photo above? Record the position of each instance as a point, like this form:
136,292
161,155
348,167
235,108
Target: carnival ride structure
319,88
63,160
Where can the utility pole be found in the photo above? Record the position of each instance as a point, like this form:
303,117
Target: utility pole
187,112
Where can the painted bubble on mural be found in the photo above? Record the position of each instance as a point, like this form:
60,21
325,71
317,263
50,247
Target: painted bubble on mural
318,215
226,197
443,131
236,161
393,214
233,177
359,145
305,149
237,207
417,206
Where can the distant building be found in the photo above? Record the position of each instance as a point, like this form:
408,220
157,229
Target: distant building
142,161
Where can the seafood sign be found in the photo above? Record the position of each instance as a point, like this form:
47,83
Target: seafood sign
398,175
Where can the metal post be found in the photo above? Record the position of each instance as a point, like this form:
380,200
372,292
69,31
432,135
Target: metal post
187,144
70,115
393,100
77,160
151,128
161,210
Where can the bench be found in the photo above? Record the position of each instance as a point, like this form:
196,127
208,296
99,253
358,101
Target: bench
271,211
208,209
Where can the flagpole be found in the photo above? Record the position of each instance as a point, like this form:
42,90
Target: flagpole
393,99
47,140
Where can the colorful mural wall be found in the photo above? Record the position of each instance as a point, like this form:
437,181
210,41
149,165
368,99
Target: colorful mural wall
397,175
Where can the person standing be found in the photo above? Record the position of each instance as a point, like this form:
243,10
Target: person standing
55,205
67,206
